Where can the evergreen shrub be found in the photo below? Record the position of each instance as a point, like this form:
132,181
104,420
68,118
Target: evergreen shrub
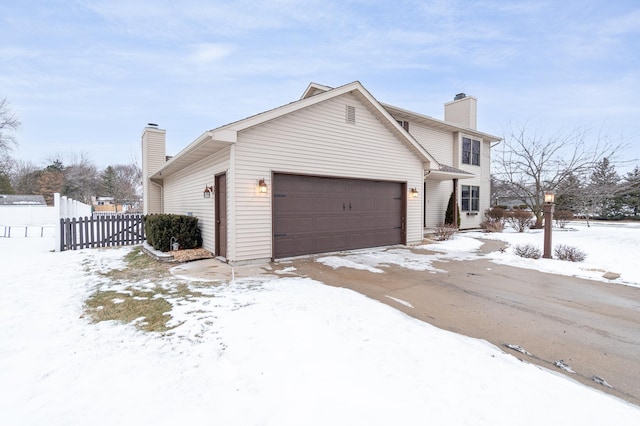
161,227
448,215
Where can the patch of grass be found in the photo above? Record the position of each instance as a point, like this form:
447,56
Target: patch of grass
139,266
127,307
149,308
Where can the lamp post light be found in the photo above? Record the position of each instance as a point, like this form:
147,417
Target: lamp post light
549,199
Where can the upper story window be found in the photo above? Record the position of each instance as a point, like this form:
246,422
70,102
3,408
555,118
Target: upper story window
470,151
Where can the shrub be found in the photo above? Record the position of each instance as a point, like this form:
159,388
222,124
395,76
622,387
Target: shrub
161,227
494,219
448,215
528,251
570,253
562,217
520,219
445,232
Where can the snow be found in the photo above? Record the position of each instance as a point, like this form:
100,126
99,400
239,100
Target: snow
609,247
402,302
264,350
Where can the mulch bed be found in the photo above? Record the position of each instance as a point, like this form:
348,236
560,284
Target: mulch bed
190,254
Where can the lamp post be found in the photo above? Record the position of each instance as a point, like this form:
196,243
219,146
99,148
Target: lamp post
549,198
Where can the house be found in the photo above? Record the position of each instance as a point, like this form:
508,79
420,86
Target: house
24,210
105,205
22,200
331,171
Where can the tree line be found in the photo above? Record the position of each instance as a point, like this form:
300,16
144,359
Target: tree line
76,177
577,165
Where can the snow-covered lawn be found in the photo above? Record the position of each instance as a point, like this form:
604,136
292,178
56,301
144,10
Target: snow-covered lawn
263,350
610,247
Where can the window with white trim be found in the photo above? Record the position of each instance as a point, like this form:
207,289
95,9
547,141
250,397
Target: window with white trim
470,151
470,198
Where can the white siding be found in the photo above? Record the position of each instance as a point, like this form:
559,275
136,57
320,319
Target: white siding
183,193
438,143
316,141
438,193
153,158
482,179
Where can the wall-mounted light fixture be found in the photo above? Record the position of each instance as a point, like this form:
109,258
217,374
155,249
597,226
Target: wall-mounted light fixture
207,191
262,186
413,192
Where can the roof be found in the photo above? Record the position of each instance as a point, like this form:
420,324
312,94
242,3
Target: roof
22,200
438,124
399,113
216,139
445,172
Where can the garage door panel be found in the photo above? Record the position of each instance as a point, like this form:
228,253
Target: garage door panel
317,214
330,224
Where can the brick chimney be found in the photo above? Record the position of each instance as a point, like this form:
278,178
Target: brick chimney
462,111
154,153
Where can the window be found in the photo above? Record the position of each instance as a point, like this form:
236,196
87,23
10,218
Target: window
470,151
470,198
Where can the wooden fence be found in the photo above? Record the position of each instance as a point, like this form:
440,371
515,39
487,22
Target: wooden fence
102,231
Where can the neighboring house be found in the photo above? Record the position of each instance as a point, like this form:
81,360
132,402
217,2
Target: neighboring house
24,210
22,200
510,203
105,205
334,170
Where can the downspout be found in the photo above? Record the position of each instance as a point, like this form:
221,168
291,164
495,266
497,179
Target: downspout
455,202
161,187
424,199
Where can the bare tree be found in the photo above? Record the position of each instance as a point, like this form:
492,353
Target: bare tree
81,179
530,163
123,183
8,124
24,177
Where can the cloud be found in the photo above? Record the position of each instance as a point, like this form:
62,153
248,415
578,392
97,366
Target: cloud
622,24
207,53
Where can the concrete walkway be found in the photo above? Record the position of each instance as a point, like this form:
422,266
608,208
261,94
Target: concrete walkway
592,327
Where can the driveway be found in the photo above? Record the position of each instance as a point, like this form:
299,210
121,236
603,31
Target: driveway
593,327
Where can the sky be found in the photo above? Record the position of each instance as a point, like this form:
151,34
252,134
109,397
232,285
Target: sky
86,76
268,349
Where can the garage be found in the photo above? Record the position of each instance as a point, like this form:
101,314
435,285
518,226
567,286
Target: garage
313,214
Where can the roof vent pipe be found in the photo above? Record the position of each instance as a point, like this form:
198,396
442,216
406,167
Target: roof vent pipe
459,96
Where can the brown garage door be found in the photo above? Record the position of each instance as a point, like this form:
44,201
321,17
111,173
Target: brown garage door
318,214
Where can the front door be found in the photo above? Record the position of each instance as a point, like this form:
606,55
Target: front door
221,215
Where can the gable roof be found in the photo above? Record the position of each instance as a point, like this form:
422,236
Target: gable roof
400,113
22,200
214,140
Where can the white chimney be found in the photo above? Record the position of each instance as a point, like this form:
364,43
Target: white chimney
153,158
462,111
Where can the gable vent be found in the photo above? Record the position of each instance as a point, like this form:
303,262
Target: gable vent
351,114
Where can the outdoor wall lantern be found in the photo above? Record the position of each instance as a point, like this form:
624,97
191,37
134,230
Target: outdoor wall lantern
413,192
207,191
262,186
549,197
